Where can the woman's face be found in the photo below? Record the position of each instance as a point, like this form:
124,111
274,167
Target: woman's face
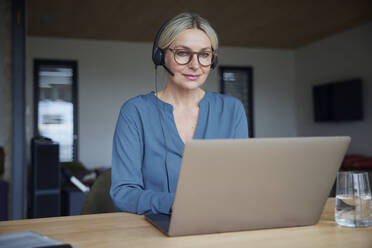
191,75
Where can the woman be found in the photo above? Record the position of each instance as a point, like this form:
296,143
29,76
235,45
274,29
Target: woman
152,129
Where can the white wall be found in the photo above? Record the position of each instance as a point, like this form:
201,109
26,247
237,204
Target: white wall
111,72
273,88
342,56
5,85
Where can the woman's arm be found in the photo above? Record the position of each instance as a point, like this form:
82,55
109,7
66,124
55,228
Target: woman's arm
241,126
127,187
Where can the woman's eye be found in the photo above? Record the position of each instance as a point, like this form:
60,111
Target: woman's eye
182,53
205,54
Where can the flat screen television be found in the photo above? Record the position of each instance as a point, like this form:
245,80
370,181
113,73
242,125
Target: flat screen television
338,101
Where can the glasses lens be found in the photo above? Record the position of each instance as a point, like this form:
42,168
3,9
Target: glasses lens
205,58
182,57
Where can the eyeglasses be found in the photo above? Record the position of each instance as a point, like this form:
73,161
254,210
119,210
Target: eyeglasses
184,56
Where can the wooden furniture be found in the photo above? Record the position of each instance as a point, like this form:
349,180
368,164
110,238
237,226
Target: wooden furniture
130,230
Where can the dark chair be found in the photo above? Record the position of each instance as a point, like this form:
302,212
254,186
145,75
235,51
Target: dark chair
98,199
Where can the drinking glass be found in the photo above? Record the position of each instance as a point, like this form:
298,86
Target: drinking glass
353,199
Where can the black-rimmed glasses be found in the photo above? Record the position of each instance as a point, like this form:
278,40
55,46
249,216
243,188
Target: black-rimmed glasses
183,56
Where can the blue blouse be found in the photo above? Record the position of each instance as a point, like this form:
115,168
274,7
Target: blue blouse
140,147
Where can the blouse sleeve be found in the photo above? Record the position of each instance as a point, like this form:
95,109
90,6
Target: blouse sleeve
127,187
241,126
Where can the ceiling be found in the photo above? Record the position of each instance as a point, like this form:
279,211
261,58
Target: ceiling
248,23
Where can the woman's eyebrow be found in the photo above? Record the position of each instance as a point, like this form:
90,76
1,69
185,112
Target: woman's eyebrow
185,47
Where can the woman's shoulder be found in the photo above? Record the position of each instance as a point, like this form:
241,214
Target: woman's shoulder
218,98
225,106
137,104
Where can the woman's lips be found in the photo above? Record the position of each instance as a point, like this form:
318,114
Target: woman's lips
191,77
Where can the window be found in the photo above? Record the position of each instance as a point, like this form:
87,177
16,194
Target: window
55,105
237,82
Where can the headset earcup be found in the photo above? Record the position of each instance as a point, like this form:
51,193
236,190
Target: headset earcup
158,56
157,53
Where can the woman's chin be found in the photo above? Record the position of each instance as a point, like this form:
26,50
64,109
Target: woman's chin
186,84
191,85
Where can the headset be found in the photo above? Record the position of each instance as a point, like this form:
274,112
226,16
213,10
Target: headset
157,53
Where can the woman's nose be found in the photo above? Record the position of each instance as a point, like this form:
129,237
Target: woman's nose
194,63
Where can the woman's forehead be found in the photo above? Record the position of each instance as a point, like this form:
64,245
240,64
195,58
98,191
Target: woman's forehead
192,38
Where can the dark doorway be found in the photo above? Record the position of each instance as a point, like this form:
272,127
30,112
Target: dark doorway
238,82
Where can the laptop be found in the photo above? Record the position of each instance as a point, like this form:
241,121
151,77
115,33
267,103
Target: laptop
246,184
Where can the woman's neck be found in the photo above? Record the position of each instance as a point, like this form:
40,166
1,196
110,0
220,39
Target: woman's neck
181,98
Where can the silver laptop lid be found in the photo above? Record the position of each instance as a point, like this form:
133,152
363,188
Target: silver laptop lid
232,185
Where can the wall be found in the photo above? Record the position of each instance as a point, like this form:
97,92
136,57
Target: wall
5,84
273,88
342,56
2,96
111,72
3,35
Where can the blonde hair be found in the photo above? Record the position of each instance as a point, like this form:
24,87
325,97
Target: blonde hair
185,21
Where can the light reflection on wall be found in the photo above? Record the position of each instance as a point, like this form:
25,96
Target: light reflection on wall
55,108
